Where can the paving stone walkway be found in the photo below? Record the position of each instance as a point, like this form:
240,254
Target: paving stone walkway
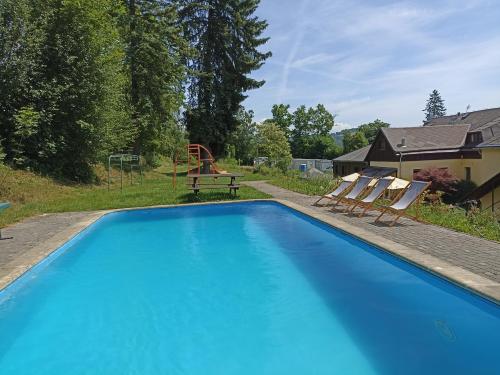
474,254
23,239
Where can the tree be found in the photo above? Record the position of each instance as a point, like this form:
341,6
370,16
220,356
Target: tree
282,117
273,144
226,36
155,55
319,147
61,94
371,129
311,127
434,107
244,138
353,141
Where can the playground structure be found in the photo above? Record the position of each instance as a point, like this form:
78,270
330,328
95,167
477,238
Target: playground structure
201,164
125,163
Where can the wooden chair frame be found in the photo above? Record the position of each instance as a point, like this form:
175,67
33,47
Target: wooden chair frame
400,213
344,193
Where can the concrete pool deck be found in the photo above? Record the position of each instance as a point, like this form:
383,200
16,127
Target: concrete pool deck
471,262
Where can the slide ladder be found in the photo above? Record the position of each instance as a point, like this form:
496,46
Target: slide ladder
199,160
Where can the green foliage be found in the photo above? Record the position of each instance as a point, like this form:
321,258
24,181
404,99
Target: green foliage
434,106
354,141
282,117
308,130
314,186
155,54
62,103
371,129
32,194
460,190
82,79
273,144
226,35
244,138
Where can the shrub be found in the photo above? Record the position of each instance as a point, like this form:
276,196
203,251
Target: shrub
441,179
462,189
265,170
274,145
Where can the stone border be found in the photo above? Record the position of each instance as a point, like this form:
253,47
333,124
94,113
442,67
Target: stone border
474,283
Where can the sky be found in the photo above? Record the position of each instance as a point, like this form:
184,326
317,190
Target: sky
369,59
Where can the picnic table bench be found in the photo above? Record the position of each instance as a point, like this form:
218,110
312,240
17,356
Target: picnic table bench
194,182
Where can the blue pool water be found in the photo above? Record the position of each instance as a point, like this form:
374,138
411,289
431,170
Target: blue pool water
244,288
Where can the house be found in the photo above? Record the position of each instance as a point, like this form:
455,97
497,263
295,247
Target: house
351,162
468,145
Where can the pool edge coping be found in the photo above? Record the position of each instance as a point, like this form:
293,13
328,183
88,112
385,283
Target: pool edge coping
470,281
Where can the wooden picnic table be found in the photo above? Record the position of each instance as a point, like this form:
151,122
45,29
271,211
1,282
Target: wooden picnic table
196,185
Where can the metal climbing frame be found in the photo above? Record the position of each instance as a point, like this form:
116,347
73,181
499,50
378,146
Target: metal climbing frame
126,163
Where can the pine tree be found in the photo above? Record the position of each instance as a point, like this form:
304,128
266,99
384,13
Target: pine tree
434,107
155,56
225,35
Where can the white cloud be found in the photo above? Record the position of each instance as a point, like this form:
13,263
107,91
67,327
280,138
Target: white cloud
367,60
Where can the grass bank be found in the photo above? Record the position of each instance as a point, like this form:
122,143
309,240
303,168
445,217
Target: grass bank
31,194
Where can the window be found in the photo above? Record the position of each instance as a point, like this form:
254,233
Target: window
467,174
343,170
381,144
473,138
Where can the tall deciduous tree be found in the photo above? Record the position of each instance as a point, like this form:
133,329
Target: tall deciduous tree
353,141
282,117
226,35
61,83
435,106
244,138
371,129
311,128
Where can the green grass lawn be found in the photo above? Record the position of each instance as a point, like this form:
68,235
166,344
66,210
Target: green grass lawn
33,195
480,224
313,186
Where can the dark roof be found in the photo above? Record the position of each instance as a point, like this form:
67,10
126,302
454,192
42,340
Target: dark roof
477,119
491,135
355,156
427,138
378,172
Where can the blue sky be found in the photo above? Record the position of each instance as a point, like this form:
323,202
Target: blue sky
379,59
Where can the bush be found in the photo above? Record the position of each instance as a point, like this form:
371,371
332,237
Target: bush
462,189
441,179
265,170
274,145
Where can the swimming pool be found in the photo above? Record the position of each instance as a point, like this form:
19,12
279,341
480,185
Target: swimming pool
239,288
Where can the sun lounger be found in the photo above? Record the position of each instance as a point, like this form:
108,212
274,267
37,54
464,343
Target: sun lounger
358,189
405,199
367,202
340,191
